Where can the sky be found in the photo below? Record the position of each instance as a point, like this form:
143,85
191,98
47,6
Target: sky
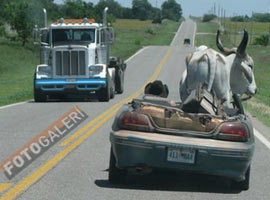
200,7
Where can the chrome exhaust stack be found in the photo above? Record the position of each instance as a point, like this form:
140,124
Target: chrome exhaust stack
105,17
45,18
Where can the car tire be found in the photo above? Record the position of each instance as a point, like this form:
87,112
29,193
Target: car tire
104,94
242,185
115,175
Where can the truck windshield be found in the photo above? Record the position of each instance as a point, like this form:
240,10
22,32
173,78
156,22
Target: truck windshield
67,36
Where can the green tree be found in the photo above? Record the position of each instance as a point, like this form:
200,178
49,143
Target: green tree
208,17
17,15
127,13
52,8
114,8
261,17
79,9
240,18
171,10
142,9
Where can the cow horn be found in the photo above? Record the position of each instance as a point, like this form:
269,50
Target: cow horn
241,50
221,47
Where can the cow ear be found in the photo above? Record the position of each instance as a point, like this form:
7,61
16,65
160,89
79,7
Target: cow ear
247,71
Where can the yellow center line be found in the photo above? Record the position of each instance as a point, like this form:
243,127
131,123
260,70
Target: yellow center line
91,123
116,106
41,171
4,186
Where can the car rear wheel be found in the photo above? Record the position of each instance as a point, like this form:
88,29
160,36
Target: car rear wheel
242,185
115,175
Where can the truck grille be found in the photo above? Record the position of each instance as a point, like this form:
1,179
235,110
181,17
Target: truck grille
70,63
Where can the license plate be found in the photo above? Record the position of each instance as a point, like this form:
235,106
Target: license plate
71,86
183,155
70,80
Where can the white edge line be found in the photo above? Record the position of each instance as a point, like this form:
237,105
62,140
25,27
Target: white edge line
14,104
194,35
24,102
176,34
130,58
262,138
138,52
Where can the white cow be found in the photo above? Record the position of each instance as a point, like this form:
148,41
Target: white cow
222,74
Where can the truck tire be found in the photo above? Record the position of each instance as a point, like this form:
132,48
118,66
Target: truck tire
115,175
119,81
112,92
104,94
242,185
39,96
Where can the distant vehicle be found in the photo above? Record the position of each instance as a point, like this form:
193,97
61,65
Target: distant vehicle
187,41
75,59
154,133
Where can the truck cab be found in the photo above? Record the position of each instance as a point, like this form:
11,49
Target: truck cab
75,59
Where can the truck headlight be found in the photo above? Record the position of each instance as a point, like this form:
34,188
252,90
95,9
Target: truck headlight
44,69
95,69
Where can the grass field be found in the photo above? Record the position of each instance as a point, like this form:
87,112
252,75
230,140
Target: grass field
259,105
17,63
131,35
16,71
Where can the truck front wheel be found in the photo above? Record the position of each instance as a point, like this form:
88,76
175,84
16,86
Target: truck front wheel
104,94
119,81
39,96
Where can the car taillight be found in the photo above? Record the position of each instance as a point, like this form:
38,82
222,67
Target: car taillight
233,132
134,121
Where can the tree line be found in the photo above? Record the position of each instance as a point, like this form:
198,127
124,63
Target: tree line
21,15
256,17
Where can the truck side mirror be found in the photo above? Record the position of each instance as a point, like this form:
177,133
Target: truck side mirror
43,32
124,66
44,36
110,35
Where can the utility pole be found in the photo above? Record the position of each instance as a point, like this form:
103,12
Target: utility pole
269,35
218,10
224,19
221,16
235,32
251,35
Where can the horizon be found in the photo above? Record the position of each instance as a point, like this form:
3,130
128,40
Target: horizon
231,7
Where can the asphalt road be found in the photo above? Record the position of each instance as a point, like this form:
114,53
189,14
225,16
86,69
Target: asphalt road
78,170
